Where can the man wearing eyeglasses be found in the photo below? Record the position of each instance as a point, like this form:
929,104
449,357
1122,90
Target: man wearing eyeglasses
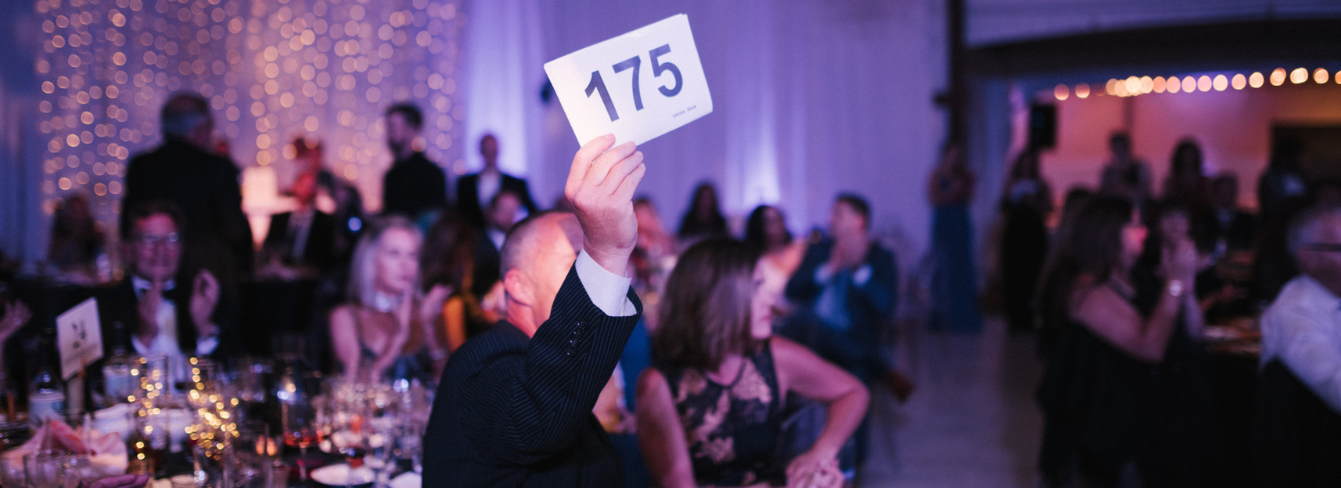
1302,329
161,315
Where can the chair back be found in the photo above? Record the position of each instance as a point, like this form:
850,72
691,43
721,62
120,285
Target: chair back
1297,437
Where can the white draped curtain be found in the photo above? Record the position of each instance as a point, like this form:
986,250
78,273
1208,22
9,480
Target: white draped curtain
811,98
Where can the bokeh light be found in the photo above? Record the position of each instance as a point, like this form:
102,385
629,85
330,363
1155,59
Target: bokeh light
1299,75
1061,92
271,71
1256,79
1278,77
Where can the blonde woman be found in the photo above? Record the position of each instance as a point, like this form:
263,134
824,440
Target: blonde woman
385,330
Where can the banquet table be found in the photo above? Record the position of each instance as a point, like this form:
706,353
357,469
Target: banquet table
1235,349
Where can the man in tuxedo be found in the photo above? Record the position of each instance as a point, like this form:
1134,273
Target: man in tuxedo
1235,228
166,312
475,192
303,236
502,216
414,184
204,185
514,405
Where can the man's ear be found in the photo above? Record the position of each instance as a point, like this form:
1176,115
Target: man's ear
519,287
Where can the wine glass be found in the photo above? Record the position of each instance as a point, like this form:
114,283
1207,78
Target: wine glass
46,469
382,441
300,430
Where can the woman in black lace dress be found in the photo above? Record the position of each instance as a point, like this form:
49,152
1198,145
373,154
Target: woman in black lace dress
710,412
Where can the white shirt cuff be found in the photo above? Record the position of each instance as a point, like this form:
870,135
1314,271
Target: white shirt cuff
607,290
206,345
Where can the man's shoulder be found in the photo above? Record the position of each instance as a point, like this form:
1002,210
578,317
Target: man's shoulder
878,249
501,340
1302,295
421,161
172,153
414,167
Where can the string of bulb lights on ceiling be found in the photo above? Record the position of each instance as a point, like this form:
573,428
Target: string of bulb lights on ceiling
273,71
1136,86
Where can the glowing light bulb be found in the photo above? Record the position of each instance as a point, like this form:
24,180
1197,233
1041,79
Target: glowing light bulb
1278,77
1082,91
1239,81
1220,82
1320,75
1299,75
1061,92
1256,79
1158,84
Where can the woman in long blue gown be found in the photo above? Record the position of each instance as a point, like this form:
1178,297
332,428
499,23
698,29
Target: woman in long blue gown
954,290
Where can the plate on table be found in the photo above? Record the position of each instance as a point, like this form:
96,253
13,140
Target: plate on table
342,475
408,480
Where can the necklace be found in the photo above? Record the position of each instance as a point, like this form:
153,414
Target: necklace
383,302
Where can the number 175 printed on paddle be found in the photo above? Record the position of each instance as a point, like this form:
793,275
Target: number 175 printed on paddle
637,86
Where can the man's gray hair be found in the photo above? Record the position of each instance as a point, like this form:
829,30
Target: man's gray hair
1305,227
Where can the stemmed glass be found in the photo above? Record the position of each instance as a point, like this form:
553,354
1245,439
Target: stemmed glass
300,430
343,424
383,427
46,469
382,440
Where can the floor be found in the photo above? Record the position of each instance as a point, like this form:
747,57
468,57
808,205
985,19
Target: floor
971,422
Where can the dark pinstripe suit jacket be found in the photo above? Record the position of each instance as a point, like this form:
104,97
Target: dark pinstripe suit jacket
513,411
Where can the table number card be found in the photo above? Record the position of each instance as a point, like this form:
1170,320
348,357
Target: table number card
78,337
637,86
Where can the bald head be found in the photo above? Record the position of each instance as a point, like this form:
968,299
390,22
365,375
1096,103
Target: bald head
1314,237
535,260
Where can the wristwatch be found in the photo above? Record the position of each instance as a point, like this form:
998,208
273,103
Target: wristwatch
1175,288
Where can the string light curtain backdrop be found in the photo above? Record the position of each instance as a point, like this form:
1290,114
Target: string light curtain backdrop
272,70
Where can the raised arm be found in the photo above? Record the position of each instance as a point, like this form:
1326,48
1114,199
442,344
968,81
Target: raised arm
567,362
573,353
1112,318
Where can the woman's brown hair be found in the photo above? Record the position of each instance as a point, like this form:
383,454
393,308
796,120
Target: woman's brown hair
705,311
1089,243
